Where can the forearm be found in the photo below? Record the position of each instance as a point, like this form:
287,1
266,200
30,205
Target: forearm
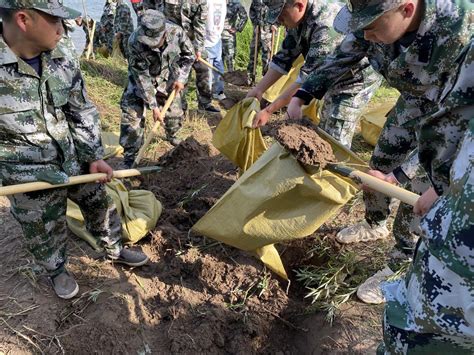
284,99
270,78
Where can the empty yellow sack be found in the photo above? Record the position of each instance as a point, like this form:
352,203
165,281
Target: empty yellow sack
139,211
276,200
110,142
373,120
236,139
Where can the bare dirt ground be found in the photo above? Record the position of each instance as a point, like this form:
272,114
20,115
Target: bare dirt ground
195,296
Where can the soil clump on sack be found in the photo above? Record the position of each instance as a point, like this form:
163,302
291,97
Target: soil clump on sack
300,138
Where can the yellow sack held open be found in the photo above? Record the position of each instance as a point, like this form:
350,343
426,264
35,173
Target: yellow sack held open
282,84
373,120
236,139
274,201
139,211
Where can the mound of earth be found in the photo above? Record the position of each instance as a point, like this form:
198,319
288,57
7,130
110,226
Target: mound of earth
237,77
300,138
195,295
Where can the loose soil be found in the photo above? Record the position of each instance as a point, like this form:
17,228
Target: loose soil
300,139
195,295
237,77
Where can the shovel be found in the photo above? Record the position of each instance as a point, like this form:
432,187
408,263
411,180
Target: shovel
157,125
209,65
360,177
74,180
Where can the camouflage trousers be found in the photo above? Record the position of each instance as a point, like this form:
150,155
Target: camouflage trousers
228,49
104,35
124,45
264,42
132,125
430,310
395,143
343,106
203,89
400,341
42,215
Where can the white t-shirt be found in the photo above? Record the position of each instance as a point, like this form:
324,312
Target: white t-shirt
217,10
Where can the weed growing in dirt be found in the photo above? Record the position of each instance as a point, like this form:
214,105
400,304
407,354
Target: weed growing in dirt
333,283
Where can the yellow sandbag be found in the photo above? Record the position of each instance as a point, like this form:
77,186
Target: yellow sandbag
236,139
103,51
110,142
116,51
139,211
276,200
285,81
312,111
373,120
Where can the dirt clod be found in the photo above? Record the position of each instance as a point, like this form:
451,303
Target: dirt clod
237,77
300,138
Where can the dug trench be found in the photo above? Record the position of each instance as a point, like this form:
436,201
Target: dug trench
195,295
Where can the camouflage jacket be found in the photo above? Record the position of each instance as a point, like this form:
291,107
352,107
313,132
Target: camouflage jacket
123,22
420,72
314,38
257,12
236,16
191,16
437,294
155,70
47,120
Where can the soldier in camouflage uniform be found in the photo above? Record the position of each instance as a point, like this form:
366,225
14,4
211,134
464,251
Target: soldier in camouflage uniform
418,63
234,22
192,17
140,6
432,309
313,37
49,130
261,38
161,57
104,34
123,26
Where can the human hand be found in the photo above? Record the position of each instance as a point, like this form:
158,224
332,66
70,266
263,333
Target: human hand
178,86
294,110
198,56
255,92
424,203
157,115
261,118
100,166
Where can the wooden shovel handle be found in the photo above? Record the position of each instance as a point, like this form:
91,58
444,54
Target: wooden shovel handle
155,128
384,187
209,65
73,180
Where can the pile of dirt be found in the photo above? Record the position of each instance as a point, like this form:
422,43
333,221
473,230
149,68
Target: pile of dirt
194,296
300,138
237,78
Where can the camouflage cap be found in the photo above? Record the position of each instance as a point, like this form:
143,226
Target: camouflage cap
274,9
51,7
358,14
152,28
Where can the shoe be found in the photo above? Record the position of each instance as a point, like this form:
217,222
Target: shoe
130,257
64,285
361,232
370,291
174,141
209,108
221,96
